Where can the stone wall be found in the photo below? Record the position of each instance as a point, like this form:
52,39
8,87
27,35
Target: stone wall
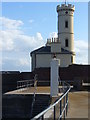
19,106
81,72
10,78
67,73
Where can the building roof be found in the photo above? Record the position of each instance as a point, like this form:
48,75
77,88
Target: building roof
47,50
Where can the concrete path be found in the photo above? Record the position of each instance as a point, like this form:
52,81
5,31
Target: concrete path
78,105
31,90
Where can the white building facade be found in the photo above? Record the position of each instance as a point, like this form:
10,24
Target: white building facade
63,46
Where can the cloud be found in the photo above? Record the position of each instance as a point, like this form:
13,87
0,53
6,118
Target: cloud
24,42
16,39
13,40
17,61
81,44
23,62
10,24
81,49
6,40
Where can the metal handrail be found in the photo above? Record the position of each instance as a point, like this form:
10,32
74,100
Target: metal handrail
25,80
51,106
24,83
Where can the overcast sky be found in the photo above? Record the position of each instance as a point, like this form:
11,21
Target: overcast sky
25,26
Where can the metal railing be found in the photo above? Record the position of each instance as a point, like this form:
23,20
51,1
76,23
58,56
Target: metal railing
25,84
62,102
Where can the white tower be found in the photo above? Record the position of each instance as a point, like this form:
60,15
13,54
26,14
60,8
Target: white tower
65,26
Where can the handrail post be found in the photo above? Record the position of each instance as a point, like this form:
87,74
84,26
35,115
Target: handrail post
64,107
42,117
60,109
54,112
63,86
67,102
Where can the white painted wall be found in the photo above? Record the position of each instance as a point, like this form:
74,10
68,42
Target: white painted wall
65,59
43,60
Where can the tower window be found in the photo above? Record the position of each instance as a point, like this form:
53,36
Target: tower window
66,43
66,12
66,24
71,59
